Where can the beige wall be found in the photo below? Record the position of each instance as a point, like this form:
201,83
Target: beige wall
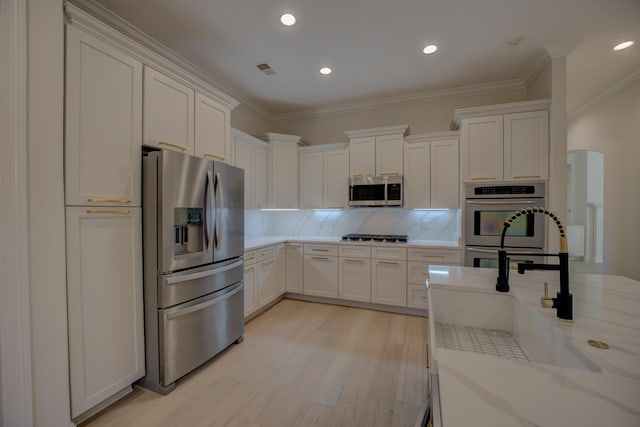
613,127
426,116
249,120
540,87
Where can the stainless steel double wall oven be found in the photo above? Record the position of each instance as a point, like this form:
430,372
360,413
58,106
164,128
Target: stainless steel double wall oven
486,208
193,234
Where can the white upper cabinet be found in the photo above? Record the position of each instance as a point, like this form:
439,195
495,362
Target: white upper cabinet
507,142
376,151
251,155
283,171
431,175
526,145
212,129
103,123
168,113
311,179
336,178
324,176
260,197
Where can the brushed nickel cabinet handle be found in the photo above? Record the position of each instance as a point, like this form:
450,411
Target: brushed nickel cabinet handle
214,157
359,261
389,174
320,250
264,264
96,200
168,144
108,211
425,297
484,178
433,256
249,268
388,262
324,258
527,177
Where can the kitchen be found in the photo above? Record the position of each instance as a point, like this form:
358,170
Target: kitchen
46,252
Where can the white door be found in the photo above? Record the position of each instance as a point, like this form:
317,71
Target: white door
362,156
526,146
168,113
321,276
103,123
212,129
389,155
104,292
416,176
389,282
250,295
311,180
354,279
336,178
482,148
445,174
294,266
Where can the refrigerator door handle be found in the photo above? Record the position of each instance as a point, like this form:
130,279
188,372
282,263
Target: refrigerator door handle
203,305
209,208
220,207
193,276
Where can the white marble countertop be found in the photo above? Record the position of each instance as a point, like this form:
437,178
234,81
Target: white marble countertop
479,390
251,244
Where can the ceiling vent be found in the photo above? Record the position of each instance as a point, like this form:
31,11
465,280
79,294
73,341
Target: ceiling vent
265,68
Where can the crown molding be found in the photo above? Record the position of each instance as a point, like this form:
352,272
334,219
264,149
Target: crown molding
272,136
537,68
101,22
432,136
385,130
323,147
490,110
602,96
235,133
458,92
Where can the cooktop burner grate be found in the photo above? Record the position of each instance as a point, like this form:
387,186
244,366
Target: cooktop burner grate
395,238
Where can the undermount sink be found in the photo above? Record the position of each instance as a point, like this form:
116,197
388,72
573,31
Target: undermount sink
501,326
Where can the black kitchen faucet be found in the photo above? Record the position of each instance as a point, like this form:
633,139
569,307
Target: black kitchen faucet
563,302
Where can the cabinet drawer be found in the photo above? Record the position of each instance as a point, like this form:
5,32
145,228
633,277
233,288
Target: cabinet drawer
354,251
383,252
319,249
417,272
266,253
435,256
249,257
417,296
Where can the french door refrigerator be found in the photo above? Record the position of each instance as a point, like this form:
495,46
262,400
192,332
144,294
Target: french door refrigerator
193,237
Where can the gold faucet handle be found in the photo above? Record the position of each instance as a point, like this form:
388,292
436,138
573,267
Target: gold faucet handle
546,301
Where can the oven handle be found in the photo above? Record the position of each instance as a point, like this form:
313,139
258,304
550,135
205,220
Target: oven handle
201,306
511,251
505,202
199,275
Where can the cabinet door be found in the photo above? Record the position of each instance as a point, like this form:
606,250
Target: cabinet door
281,269
250,294
168,112
336,178
321,276
417,297
354,279
103,120
260,192
104,293
283,162
245,159
445,174
294,267
526,146
416,176
267,278
389,282
389,155
362,156
482,148
311,180
212,129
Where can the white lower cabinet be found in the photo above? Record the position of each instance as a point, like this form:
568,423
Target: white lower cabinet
354,279
250,283
417,296
389,276
267,279
281,270
418,272
105,309
321,270
294,266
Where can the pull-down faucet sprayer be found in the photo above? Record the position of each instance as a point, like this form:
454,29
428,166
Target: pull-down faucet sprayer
564,300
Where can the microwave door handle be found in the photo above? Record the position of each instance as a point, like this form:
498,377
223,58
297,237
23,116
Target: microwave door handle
209,210
219,208
505,202
510,251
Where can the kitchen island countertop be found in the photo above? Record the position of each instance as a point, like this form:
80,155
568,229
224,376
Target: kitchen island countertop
481,390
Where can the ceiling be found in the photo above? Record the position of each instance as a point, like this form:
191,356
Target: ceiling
375,46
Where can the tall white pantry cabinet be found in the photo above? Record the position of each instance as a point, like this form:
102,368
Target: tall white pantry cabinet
103,132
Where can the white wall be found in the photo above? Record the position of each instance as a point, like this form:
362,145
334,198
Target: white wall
613,127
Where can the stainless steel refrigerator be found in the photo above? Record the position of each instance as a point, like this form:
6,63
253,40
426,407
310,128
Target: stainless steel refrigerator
193,235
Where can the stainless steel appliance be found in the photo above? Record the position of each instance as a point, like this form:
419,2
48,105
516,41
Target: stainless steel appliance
486,208
193,231
385,190
394,238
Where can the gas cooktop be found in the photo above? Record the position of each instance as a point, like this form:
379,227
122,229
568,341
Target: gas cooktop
396,238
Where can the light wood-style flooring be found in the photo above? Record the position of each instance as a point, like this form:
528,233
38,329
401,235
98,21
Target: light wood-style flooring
301,364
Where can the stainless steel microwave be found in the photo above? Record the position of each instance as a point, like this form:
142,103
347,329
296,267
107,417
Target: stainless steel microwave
383,190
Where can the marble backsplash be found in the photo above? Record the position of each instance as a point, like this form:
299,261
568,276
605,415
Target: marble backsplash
440,225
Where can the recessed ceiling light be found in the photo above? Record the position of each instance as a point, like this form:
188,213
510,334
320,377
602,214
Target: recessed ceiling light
430,49
325,70
288,19
623,45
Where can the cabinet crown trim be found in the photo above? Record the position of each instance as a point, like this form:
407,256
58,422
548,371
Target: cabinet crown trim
271,136
386,130
432,136
491,110
324,147
235,133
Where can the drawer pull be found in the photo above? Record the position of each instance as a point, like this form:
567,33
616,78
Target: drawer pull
389,174
320,250
424,297
264,264
324,258
108,211
213,156
433,256
249,268
388,262
527,177
359,261
168,144
484,178
293,245
94,200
